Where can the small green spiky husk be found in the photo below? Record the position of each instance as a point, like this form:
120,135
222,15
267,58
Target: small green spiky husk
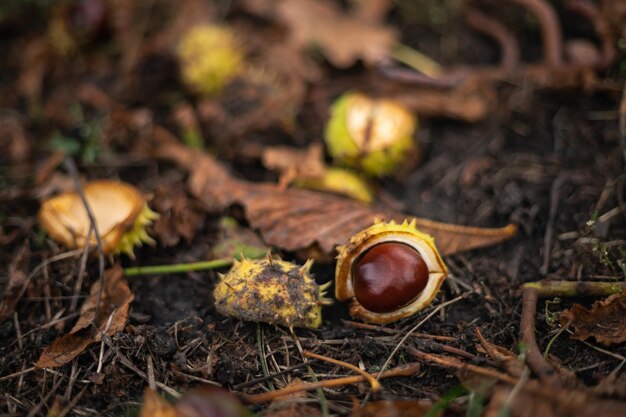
137,234
209,57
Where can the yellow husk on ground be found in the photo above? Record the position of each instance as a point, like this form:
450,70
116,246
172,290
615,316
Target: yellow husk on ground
120,211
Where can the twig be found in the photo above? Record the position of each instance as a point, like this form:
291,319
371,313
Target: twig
549,289
480,22
103,335
590,11
450,362
320,393
405,370
70,166
622,123
44,264
534,358
373,382
150,370
13,375
550,29
18,331
274,375
555,192
259,341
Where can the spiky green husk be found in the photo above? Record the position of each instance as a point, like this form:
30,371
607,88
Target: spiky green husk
209,58
137,234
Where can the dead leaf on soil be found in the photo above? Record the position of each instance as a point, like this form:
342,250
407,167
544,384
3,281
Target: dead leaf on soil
293,163
606,321
179,215
200,401
502,356
397,408
343,36
114,305
535,400
294,219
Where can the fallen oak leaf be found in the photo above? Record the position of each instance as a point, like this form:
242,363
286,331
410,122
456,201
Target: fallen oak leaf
295,219
605,322
111,318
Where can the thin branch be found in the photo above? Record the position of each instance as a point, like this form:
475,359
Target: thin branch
534,358
548,289
590,12
405,370
373,381
70,166
550,30
480,22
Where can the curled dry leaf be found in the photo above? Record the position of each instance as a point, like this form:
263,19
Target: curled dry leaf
202,401
605,322
535,400
343,36
395,408
111,318
179,215
294,219
293,163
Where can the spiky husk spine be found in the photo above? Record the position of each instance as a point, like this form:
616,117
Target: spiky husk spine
137,235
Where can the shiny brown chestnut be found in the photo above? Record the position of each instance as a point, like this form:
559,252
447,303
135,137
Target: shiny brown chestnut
389,275
389,271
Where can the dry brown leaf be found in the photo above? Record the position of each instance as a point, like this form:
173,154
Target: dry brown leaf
502,356
113,313
200,401
397,408
344,37
535,400
155,406
605,322
294,219
293,163
179,215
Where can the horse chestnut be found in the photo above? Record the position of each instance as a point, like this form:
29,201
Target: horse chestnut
388,276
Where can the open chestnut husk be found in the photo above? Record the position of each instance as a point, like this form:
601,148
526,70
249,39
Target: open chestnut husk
390,271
